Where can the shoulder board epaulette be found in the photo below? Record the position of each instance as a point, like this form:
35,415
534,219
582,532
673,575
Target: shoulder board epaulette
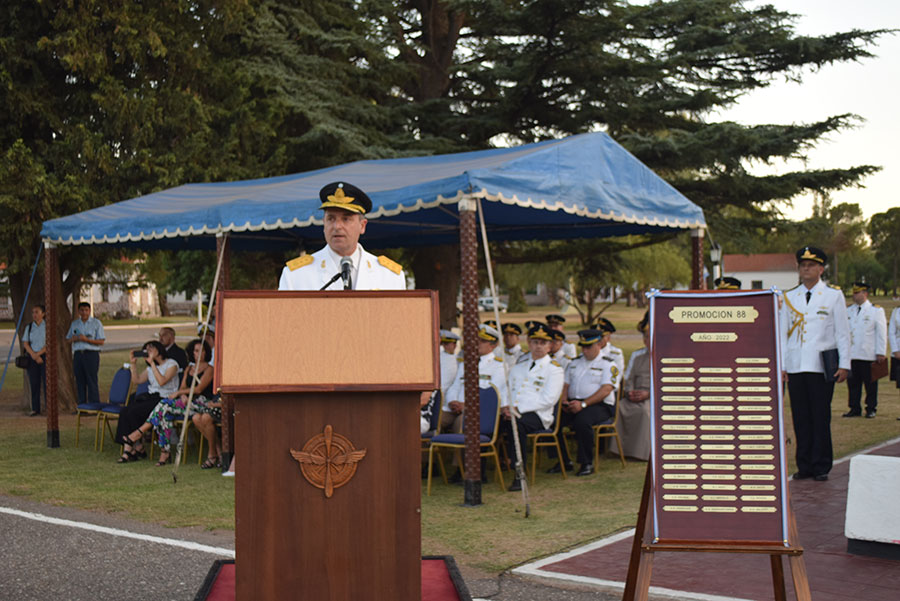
615,351
460,359
299,262
553,362
878,306
496,358
393,266
836,287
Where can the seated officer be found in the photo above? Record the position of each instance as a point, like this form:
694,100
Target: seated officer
727,283
556,323
534,389
610,351
526,356
345,221
449,341
512,350
490,371
557,348
588,399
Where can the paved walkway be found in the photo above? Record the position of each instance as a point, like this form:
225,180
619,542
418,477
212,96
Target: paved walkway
819,508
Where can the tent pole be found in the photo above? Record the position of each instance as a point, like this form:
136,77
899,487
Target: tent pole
51,357
468,254
698,282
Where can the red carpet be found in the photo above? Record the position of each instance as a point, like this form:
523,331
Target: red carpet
440,581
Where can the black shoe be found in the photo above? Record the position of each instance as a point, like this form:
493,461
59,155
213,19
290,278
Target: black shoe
801,476
852,414
34,414
820,477
870,414
585,470
516,485
557,469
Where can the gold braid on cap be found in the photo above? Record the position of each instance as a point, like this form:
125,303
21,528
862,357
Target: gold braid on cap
339,197
808,256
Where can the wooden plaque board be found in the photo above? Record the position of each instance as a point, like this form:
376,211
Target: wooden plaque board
716,418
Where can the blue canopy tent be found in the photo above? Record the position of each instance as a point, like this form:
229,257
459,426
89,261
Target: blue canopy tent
580,187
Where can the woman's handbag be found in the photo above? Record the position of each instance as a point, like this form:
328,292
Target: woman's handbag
24,361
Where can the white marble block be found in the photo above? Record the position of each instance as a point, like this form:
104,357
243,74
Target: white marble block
872,494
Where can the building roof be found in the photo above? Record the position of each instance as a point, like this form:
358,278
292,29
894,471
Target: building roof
760,262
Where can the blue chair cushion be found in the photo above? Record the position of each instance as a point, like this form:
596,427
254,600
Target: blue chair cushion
91,406
113,408
457,438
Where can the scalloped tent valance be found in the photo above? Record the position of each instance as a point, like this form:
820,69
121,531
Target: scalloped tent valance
579,187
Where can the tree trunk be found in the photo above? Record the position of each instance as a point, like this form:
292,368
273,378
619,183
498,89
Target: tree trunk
163,303
437,268
68,399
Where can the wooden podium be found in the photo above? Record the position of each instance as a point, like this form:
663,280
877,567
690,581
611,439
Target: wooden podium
327,490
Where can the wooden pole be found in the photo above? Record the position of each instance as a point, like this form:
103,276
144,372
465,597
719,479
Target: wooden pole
468,251
51,357
223,247
698,282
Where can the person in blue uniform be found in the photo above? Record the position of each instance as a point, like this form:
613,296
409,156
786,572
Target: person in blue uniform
815,346
86,335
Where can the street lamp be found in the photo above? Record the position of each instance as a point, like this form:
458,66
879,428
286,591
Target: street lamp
715,256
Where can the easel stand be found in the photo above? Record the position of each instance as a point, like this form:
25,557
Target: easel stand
637,584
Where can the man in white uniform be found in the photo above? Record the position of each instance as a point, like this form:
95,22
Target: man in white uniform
814,329
345,221
588,398
568,349
534,389
557,348
490,372
868,343
449,342
894,337
611,351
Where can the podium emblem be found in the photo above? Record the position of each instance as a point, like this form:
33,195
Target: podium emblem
328,460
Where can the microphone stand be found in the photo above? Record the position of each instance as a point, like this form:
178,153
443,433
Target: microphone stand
336,277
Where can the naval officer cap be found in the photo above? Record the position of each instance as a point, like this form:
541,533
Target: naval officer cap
605,325
489,333
558,335
448,336
727,283
554,318
860,287
532,323
811,253
341,195
512,328
490,322
589,337
540,331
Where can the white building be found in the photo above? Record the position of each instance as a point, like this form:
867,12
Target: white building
761,272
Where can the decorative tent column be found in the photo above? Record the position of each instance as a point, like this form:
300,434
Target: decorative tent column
51,357
698,282
223,247
468,251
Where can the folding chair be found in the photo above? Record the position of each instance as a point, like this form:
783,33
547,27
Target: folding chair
609,429
546,438
120,383
118,399
489,405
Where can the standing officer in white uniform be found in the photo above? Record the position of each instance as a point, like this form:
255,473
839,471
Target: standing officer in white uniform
345,221
894,337
813,320
868,343
588,398
534,389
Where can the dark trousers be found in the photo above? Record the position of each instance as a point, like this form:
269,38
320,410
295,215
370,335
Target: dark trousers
859,376
811,409
529,422
135,414
86,365
37,378
582,424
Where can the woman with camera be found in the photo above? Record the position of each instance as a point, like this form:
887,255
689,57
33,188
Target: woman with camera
161,377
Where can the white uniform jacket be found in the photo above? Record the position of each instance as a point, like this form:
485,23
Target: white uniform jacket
587,377
310,272
536,389
511,356
615,354
490,371
561,358
807,329
868,331
894,331
448,373
570,350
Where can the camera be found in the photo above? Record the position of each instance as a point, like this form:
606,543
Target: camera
140,353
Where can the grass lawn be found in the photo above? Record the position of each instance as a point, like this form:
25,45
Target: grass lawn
492,537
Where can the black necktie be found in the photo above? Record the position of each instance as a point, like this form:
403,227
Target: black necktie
808,295
532,366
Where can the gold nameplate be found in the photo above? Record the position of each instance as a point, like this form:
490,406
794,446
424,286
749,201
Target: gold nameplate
714,337
716,407
752,408
679,466
757,467
679,476
717,398
679,436
678,457
756,437
752,360
678,379
715,427
754,389
755,399
758,457
720,497
752,379
678,417
715,389
716,380
717,457
685,508
715,370
676,427
677,389
679,497
717,437
757,477
713,314
677,370
755,418
677,407
716,418
717,466
718,477
754,427
758,498
718,487
757,447
760,487
677,398
665,360
714,509
679,486
753,370
758,509
680,447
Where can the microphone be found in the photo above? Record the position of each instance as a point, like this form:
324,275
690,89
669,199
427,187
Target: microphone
346,264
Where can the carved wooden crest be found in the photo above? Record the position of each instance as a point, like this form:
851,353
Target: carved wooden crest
328,460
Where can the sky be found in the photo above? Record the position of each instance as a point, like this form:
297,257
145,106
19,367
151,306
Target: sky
869,88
